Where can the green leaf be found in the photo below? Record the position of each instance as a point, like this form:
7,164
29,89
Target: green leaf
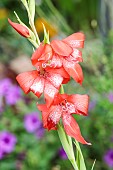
25,3
79,157
46,35
31,4
93,164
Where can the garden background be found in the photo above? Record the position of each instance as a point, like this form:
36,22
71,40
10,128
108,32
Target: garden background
30,147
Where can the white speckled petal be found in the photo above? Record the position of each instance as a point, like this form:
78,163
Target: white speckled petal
55,79
75,40
49,92
56,61
55,114
38,86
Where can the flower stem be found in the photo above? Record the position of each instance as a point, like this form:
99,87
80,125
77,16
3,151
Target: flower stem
67,147
67,141
32,25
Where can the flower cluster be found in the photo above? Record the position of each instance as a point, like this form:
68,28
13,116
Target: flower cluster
56,62
7,143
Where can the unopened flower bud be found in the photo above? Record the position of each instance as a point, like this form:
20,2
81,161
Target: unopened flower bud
22,30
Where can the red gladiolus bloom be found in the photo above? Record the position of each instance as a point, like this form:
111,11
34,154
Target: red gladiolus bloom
47,81
62,53
63,107
22,30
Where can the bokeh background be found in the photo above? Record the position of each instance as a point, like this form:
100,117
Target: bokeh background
27,146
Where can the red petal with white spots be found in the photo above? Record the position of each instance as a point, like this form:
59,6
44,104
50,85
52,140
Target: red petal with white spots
61,71
45,114
26,80
80,102
54,116
75,40
77,55
74,70
38,86
72,129
56,61
55,79
43,52
61,48
59,98
49,93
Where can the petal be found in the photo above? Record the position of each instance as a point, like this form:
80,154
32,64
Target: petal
77,56
26,80
38,86
62,72
43,108
61,48
37,54
72,129
56,61
74,70
81,103
54,117
22,30
75,40
45,114
47,53
43,52
49,93
55,79
60,98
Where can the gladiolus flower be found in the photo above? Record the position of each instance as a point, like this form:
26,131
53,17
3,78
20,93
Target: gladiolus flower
63,53
47,81
63,107
22,30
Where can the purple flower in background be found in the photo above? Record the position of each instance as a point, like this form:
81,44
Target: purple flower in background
10,92
92,105
40,132
1,153
110,97
108,158
4,86
7,142
13,95
32,122
62,154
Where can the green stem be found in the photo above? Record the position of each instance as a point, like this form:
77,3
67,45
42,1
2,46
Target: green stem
34,43
67,141
32,25
65,144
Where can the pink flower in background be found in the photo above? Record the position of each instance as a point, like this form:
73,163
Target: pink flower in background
4,86
13,95
108,158
11,92
32,122
7,143
62,154
110,97
92,105
40,132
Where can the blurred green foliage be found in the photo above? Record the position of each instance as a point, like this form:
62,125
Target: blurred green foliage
67,17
